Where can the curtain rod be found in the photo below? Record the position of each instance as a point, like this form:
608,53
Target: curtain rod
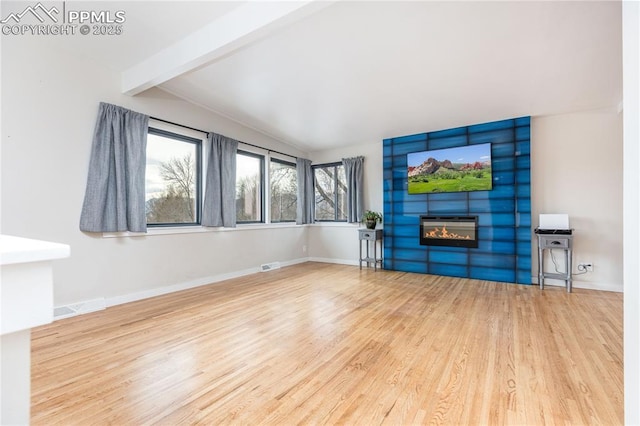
205,132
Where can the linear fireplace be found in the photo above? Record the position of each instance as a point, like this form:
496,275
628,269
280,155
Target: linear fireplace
452,231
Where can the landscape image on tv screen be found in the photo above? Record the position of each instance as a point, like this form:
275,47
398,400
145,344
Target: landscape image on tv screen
464,168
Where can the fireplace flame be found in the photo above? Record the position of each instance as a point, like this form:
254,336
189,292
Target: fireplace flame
444,234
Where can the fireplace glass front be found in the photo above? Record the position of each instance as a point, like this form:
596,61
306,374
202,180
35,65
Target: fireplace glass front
452,231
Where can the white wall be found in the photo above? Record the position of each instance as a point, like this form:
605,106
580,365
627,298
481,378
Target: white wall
339,242
576,168
49,105
631,71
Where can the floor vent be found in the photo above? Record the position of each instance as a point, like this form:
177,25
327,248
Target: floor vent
63,312
66,311
269,266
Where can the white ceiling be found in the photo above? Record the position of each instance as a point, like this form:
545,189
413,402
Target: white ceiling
357,72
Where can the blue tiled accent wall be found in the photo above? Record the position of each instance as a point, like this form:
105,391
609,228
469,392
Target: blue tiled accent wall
504,213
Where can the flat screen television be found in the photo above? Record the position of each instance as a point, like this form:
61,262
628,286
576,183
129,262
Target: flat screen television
460,169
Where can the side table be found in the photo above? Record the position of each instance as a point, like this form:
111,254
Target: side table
370,237
550,242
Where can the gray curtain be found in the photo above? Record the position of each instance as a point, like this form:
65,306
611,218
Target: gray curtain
306,200
219,208
114,200
354,172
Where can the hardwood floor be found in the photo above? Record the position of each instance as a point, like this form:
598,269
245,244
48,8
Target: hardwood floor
330,344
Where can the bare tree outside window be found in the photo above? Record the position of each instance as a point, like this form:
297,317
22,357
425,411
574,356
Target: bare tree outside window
180,174
177,202
173,184
330,193
171,181
248,188
283,185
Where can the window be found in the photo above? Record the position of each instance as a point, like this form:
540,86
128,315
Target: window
283,190
330,192
172,179
249,187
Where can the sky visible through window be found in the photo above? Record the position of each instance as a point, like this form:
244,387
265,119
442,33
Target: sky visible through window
160,150
246,166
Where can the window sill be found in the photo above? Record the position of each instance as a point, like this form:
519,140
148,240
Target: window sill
336,225
174,230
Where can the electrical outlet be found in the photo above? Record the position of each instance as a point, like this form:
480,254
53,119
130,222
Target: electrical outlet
304,249
585,267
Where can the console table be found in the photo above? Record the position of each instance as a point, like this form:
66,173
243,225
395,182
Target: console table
555,241
370,237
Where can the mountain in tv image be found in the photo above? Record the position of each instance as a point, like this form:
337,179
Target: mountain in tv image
465,168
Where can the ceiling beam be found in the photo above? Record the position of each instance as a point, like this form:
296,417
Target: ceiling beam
240,27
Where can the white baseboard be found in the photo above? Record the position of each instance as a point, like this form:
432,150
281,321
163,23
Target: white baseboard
67,311
336,261
159,291
295,261
93,305
587,285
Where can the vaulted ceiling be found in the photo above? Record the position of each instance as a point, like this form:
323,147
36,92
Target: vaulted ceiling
319,75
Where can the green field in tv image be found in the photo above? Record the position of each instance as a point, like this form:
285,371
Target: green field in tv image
465,168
